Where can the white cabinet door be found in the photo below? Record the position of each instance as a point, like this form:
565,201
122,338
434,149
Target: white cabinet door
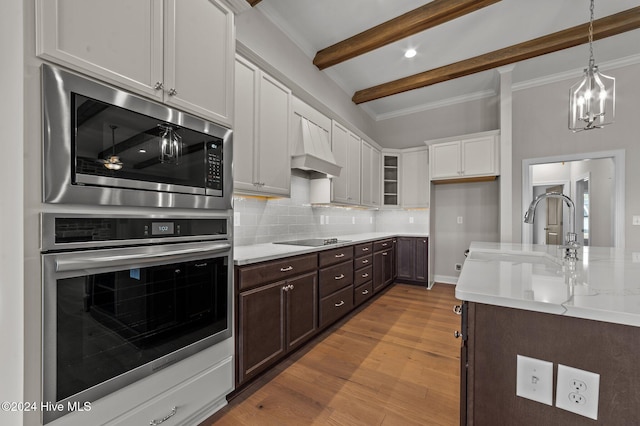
370,176
445,160
177,52
340,149
353,169
415,179
244,133
376,178
479,156
261,154
198,63
119,41
273,156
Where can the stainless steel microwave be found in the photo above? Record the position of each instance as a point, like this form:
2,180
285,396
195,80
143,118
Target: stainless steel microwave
106,146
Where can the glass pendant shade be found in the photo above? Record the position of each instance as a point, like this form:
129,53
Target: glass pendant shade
170,145
592,100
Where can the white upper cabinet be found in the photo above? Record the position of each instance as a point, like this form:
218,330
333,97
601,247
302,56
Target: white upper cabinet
261,137
415,185
371,169
345,146
473,156
177,52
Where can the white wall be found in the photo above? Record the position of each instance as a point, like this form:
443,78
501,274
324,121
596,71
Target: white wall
459,119
477,204
11,210
547,135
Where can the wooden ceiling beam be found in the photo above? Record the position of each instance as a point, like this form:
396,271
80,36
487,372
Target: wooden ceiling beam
427,16
253,2
602,28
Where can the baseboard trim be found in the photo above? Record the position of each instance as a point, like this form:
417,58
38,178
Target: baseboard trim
445,279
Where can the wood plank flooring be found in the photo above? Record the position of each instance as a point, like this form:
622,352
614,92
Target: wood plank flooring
395,362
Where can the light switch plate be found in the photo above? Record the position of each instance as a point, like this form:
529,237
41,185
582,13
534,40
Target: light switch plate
535,379
578,391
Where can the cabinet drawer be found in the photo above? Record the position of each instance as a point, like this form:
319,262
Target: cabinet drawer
266,272
178,404
382,244
363,249
336,306
361,276
335,277
363,292
363,262
330,257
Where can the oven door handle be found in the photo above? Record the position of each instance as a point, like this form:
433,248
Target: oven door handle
94,262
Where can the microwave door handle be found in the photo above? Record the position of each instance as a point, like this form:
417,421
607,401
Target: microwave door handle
95,262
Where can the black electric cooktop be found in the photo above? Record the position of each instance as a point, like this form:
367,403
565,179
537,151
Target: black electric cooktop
313,242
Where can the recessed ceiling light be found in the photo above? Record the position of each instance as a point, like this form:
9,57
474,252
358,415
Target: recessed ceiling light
410,53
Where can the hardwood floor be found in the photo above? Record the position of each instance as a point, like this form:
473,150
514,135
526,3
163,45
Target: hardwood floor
395,362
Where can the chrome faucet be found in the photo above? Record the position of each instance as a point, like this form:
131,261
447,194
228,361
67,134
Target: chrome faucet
571,238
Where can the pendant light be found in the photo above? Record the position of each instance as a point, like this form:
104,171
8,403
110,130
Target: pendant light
170,145
112,162
592,101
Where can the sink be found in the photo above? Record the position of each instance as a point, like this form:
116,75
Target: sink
532,258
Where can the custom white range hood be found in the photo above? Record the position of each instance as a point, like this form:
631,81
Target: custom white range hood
312,150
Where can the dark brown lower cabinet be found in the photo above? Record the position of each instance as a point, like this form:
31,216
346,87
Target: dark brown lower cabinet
274,319
384,264
413,260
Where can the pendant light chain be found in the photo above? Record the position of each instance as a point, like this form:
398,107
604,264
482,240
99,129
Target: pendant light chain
591,60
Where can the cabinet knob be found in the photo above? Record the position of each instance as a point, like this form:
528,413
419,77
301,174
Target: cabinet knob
385,253
340,255
337,305
172,92
158,86
365,261
457,309
457,334
339,277
365,275
365,292
288,268
291,287
365,249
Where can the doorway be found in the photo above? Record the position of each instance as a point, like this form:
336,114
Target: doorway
602,192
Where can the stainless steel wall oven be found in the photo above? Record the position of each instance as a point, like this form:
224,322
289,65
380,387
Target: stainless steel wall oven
124,296
103,145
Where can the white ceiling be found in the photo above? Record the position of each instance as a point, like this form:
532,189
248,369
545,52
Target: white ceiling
316,24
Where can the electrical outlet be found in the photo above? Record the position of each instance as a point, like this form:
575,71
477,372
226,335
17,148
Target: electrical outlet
410,219
459,220
636,220
578,391
353,220
236,218
458,267
534,379
321,219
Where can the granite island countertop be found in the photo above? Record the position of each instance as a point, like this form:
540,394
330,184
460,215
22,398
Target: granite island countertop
246,255
603,285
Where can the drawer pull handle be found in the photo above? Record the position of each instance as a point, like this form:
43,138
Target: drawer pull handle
457,309
365,261
287,269
365,275
200,265
337,305
384,244
385,254
365,292
365,249
340,255
339,277
156,422
457,334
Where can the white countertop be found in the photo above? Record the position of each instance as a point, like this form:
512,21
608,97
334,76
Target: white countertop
603,285
245,255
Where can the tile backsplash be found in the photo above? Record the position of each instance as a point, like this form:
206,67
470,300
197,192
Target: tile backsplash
259,220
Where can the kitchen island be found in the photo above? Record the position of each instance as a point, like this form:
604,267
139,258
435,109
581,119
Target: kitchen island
526,300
